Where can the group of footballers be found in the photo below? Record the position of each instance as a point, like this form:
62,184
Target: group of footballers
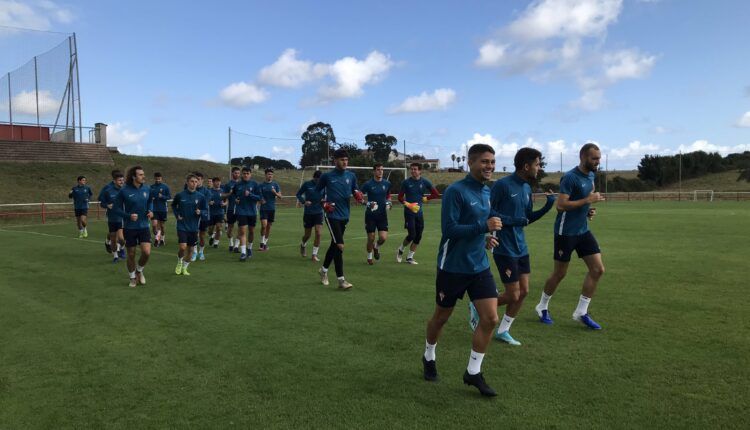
474,219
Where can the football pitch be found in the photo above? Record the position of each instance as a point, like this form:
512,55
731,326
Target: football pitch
264,344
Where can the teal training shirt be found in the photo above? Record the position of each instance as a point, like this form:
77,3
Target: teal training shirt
578,186
338,186
414,190
377,191
184,205
307,192
80,195
266,190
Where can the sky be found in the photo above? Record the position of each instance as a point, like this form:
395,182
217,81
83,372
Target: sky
635,76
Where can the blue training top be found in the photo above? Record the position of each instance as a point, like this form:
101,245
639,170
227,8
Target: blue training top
338,186
132,200
414,190
214,202
248,194
266,190
184,205
160,193
379,192
227,188
463,223
511,202
578,186
106,197
80,195
307,192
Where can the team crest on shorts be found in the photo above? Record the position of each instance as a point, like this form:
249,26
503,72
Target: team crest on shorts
508,272
560,253
442,296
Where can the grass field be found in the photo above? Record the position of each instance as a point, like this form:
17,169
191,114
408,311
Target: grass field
263,344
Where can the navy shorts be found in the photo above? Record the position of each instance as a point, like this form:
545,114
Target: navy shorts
414,225
137,237
243,220
375,221
216,219
267,215
449,287
81,212
203,225
231,217
511,268
160,216
584,245
337,228
114,226
311,220
189,237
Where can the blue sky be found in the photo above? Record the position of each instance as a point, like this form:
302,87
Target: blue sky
635,76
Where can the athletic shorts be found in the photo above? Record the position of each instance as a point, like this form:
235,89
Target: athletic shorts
311,220
114,227
231,218
81,212
137,237
414,225
216,219
337,227
203,225
584,245
189,237
267,215
374,221
160,216
243,220
511,268
449,287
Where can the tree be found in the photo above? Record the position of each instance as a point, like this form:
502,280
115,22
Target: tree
316,147
380,146
744,174
453,160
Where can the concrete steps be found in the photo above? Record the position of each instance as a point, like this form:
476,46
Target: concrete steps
54,152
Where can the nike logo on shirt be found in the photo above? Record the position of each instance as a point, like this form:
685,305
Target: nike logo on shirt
474,203
513,195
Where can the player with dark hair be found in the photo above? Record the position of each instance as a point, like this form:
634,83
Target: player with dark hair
81,194
134,204
115,243
412,196
246,195
572,233
188,207
270,190
312,217
338,186
216,209
512,202
378,195
463,265
234,242
160,194
198,252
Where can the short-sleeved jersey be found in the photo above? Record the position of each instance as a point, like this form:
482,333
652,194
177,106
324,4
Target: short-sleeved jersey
80,195
377,191
307,192
414,190
578,186
248,194
337,187
184,205
266,190
134,200
160,193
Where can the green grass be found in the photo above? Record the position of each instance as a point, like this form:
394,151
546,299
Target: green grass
263,344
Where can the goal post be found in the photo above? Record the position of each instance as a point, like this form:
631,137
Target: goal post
707,195
360,171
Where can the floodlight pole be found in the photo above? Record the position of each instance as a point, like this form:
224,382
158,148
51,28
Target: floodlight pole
680,174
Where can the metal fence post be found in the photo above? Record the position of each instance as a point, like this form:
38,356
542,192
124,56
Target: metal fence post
43,214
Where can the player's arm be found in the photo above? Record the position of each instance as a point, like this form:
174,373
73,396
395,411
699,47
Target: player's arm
300,194
535,215
277,190
358,196
204,209
499,193
118,205
102,198
434,194
567,184
167,194
450,212
322,182
70,194
176,206
402,194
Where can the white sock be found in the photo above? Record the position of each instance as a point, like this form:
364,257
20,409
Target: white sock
243,249
139,268
410,255
201,250
109,242
315,250
132,275
216,242
544,301
505,323
263,240
303,244
185,264
583,306
250,246
401,248
375,245
429,351
119,247
324,269
369,255
340,278
475,362
114,254
179,261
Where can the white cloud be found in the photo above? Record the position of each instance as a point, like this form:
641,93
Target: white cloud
283,150
705,146
590,100
38,15
565,18
242,94
24,103
744,121
634,148
127,140
491,54
207,157
627,64
440,99
289,72
350,75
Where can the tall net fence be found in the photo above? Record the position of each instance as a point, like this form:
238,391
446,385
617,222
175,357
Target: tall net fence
40,100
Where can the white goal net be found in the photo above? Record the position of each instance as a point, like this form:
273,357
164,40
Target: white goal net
703,195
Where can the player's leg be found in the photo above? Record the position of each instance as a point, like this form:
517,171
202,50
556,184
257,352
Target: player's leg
382,227
418,230
145,244
218,226
155,230
338,257
563,249
201,240
250,235
84,224
121,242
483,294
595,272
269,224
316,242
263,224
370,227
231,219
242,233
182,250
162,230
307,227
131,241
411,232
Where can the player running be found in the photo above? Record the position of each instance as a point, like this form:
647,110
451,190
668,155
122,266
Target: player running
572,233
216,209
188,206
133,203
312,217
246,195
378,194
412,197
81,194
160,193
115,243
198,252
337,186
463,265
512,203
234,242
270,190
